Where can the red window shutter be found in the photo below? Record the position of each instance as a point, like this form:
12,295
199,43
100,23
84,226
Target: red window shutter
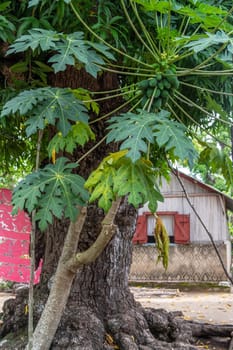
182,229
140,235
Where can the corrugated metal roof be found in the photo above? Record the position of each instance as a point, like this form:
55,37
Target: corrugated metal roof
228,199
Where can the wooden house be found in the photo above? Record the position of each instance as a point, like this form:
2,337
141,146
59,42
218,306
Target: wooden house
192,256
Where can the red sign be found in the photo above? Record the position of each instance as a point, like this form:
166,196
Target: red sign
14,242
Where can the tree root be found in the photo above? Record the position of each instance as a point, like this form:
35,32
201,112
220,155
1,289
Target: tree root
135,329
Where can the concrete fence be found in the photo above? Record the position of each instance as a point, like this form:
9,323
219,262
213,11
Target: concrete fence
189,262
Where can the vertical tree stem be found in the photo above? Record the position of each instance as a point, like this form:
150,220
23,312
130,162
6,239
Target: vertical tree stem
32,257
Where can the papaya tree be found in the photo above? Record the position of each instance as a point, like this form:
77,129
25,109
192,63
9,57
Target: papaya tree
107,98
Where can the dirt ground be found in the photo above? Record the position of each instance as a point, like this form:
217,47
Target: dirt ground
211,307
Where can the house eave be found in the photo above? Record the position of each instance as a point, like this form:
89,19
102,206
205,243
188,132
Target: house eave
228,199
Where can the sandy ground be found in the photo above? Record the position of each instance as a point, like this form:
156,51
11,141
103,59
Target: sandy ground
208,307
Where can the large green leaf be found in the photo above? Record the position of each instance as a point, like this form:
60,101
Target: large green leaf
36,38
135,130
207,40
53,190
117,175
138,181
67,49
100,182
138,130
170,135
44,106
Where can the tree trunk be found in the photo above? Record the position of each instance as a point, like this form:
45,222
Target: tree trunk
101,313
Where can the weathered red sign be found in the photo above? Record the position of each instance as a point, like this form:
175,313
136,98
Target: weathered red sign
14,242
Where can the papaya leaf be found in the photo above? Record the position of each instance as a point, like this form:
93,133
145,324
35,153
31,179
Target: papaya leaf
24,102
208,40
171,136
138,181
36,38
51,191
137,130
59,108
67,49
217,161
117,175
100,182
85,96
79,134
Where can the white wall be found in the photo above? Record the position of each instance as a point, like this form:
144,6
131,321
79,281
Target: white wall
209,205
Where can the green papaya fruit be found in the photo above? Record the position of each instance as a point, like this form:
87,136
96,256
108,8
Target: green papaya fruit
143,84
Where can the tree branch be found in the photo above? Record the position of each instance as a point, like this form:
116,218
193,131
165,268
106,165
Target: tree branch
92,253
68,265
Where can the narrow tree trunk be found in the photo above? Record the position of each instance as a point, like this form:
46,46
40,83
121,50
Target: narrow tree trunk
60,290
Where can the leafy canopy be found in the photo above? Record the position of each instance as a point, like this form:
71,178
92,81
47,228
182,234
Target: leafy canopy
174,78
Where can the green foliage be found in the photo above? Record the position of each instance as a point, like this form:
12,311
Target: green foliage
135,130
197,12
192,39
16,150
79,134
218,162
207,40
37,2
117,175
7,29
138,130
53,190
59,108
68,47
85,96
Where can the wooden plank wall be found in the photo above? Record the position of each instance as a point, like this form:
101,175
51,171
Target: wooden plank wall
209,205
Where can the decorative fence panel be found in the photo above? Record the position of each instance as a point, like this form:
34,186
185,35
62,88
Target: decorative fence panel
187,263
14,242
